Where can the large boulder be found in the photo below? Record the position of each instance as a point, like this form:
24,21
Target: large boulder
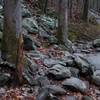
59,72
75,84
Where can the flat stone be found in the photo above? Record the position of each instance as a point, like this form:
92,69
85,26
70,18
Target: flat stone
50,62
56,90
75,83
94,59
59,72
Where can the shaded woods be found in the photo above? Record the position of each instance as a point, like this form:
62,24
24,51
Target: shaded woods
50,50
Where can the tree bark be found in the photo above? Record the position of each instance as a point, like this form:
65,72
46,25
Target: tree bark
85,10
12,34
63,24
45,6
12,29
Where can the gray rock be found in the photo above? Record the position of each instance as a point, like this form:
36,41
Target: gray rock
50,23
30,24
96,77
42,81
94,59
83,65
37,55
43,33
25,11
74,71
86,98
71,98
75,83
52,40
45,95
68,60
59,72
31,64
54,89
50,62
29,70
4,79
96,43
93,18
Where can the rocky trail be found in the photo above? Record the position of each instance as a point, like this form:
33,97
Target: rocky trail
50,71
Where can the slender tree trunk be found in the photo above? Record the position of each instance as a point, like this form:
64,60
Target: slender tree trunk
45,6
85,10
63,23
12,31
70,8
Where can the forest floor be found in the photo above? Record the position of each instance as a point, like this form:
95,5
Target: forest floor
45,56
50,71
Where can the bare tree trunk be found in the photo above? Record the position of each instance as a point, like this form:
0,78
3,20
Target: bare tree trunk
85,10
45,6
63,23
12,31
